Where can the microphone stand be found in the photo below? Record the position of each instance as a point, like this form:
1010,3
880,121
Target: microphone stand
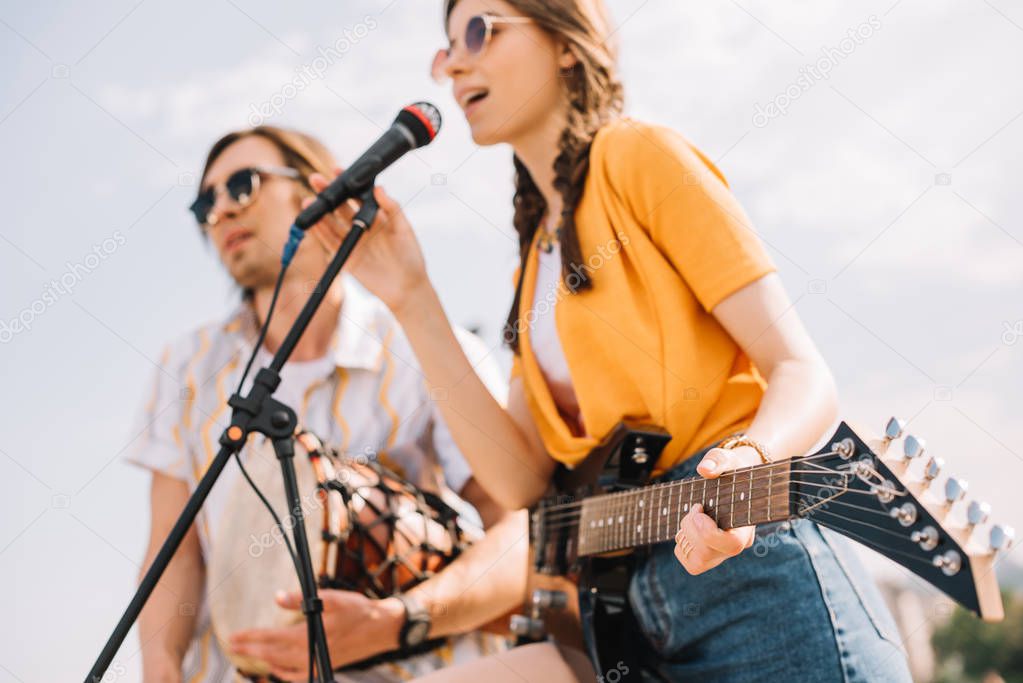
257,412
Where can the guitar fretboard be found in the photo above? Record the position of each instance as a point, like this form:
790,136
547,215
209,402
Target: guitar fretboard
652,514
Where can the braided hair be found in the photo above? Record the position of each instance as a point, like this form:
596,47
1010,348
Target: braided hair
595,96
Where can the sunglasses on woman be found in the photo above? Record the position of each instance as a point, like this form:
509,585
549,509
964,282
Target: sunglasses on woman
241,186
478,33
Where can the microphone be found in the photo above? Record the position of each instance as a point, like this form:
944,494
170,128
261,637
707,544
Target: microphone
415,126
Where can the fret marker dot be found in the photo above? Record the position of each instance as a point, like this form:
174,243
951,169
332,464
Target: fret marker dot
742,496
686,507
641,502
639,528
710,503
621,518
664,511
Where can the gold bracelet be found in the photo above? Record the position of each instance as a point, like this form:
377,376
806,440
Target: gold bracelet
743,440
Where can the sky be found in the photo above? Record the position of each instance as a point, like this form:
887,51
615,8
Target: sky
875,145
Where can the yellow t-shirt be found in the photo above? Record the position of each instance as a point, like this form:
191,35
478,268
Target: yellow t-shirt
664,241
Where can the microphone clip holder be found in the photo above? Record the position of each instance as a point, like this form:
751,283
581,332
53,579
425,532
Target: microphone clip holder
367,213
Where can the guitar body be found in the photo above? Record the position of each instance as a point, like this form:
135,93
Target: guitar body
596,617
563,625
610,632
583,602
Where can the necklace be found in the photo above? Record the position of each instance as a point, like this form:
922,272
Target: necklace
548,238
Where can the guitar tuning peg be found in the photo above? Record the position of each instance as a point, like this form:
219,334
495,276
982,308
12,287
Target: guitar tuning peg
893,429
1001,537
933,469
955,490
977,513
950,562
912,447
527,627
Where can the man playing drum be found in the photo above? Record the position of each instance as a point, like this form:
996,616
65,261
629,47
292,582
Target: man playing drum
354,382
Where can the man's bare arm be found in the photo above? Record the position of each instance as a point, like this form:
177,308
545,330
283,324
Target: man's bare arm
167,623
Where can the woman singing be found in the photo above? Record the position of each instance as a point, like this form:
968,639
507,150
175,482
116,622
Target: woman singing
643,293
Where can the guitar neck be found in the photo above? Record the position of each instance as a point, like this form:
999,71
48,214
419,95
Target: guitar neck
652,514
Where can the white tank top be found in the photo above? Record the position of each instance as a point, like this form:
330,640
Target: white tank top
547,349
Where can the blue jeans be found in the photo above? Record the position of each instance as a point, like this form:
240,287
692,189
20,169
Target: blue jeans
796,606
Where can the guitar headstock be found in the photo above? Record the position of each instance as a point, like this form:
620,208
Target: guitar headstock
891,495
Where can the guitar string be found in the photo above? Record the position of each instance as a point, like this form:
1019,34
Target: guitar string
673,506
724,505
726,501
871,544
561,510
881,513
649,490
576,506
577,509
566,519
823,511
724,496
873,526
861,539
751,468
881,547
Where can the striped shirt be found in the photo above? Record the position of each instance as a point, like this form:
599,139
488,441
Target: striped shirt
366,397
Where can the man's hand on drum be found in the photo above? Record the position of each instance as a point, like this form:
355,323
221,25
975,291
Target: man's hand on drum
699,544
357,627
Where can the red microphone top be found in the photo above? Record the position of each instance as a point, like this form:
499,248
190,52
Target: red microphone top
423,120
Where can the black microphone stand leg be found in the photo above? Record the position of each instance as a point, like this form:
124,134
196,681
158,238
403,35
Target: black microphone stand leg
312,606
278,422
255,412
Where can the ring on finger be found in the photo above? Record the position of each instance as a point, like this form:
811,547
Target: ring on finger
682,540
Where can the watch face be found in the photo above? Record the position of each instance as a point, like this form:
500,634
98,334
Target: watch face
417,632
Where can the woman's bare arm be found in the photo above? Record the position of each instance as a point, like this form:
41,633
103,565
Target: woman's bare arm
801,400
502,446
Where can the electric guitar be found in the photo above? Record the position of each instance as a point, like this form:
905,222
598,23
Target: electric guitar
585,539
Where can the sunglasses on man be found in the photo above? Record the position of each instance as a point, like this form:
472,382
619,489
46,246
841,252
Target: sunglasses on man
241,187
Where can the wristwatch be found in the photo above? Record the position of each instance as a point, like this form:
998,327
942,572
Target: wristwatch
417,624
